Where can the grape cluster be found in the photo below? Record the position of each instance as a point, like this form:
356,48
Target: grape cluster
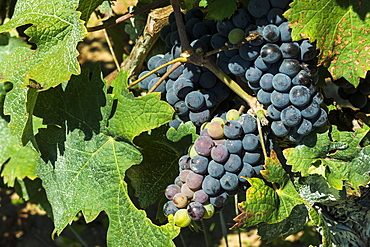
191,90
357,96
227,151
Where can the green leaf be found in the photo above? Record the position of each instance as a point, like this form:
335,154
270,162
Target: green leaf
160,164
340,161
88,176
184,129
315,189
341,29
87,7
266,204
9,44
17,162
56,29
188,4
84,164
323,227
135,115
205,3
220,10
288,226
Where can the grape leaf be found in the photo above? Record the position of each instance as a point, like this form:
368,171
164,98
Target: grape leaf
159,167
341,161
341,29
220,10
9,44
205,3
265,204
87,7
17,162
184,129
56,29
288,226
84,163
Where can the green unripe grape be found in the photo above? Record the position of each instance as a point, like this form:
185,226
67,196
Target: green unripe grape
216,130
204,126
209,211
232,115
182,218
192,152
236,35
218,119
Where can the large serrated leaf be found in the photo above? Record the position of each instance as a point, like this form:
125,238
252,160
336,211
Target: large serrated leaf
84,163
341,28
340,161
56,29
9,44
17,162
266,204
160,164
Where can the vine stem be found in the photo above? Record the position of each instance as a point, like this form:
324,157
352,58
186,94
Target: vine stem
168,72
176,4
180,59
126,16
261,115
205,233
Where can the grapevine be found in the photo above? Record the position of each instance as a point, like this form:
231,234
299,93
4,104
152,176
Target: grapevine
263,103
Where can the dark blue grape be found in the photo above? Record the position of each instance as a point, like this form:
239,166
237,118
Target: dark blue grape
279,99
223,62
225,27
181,108
241,18
175,38
319,98
210,99
219,153
305,127
250,142
233,164
207,79
171,97
199,164
266,82
200,29
216,169
253,74
164,32
249,52
255,86
271,33
218,41
273,113
219,200
237,65
144,83
264,97
252,157
258,8
302,78
229,181
310,111
211,185
270,53
234,146
169,85
194,100
192,72
246,172
176,73
285,32
282,4
248,123
290,50
193,13
175,123
159,63
291,116
290,67
182,87
220,90
281,82
199,117
175,52
258,169
299,95
169,208
279,129
275,16
152,62
199,46
260,64
232,129
308,50
321,119
200,196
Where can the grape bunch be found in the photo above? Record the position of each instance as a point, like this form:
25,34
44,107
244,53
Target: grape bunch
191,90
357,96
227,152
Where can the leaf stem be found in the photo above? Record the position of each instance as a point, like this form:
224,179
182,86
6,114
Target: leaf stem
206,238
223,228
260,115
175,66
126,16
180,59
